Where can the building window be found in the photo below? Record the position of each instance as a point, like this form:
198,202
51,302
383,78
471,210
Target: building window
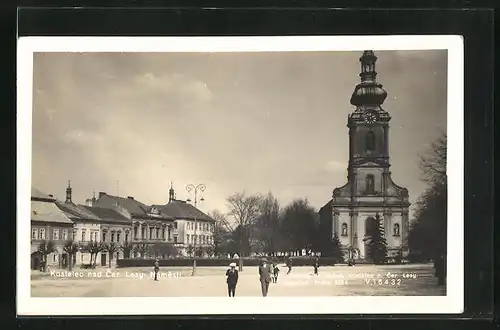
169,233
175,225
81,257
370,184
112,236
34,233
42,233
163,233
143,232
136,230
189,225
104,236
187,238
175,239
344,229
118,237
64,234
54,258
150,232
74,235
396,229
370,141
126,236
55,234
84,233
157,232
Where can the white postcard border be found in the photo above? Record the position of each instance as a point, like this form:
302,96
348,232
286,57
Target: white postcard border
451,303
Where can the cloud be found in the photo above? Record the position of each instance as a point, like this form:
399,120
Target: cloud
335,166
260,122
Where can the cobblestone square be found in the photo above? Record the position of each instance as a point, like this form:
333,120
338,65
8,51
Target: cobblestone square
360,280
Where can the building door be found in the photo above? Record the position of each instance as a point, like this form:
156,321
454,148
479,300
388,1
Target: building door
36,261
103,259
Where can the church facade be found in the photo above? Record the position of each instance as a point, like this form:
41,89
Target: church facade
370,192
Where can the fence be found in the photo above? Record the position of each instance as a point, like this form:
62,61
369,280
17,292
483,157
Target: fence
220,262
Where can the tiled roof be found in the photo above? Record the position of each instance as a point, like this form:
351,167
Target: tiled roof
106,214
76,211
131,205
38,195
48,212
326,206
183,210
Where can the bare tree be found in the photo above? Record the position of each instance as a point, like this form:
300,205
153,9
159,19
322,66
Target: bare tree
71,248
142,249
433,162
428,232
127,247
267,227
111,248
45,248
245,210
221,228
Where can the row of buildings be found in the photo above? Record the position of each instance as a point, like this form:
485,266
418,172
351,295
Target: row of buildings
124,221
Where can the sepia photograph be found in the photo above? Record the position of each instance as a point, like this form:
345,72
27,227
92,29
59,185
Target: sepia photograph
259,174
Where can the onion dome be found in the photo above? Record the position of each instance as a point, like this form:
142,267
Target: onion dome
368,92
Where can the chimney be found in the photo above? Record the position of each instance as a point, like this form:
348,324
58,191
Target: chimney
101,193
51,196
130,197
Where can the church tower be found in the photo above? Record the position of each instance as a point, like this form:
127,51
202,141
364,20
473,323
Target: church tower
171,193
369,190
69,192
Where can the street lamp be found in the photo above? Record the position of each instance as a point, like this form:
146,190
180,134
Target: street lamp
198,188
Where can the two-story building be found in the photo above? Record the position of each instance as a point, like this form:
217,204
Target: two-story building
48,224
192,224
116,227
86,226
149,226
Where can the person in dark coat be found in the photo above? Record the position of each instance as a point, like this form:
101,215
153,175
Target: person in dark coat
289,264
316,266
232,279
264,277
156,269
276,272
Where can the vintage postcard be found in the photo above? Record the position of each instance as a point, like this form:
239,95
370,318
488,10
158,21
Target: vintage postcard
240,175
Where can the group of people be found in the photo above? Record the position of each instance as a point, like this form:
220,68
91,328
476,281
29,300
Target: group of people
268,273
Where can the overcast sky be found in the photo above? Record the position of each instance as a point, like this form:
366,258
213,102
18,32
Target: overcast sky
256,122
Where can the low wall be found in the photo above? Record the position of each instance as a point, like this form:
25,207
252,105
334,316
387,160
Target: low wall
222,262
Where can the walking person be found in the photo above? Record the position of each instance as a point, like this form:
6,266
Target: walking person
156,269
276,272
232,279
264,277
289,264
271,267
316,266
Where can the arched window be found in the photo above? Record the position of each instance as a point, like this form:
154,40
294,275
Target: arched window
370,141
344,229
370,184
396,229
